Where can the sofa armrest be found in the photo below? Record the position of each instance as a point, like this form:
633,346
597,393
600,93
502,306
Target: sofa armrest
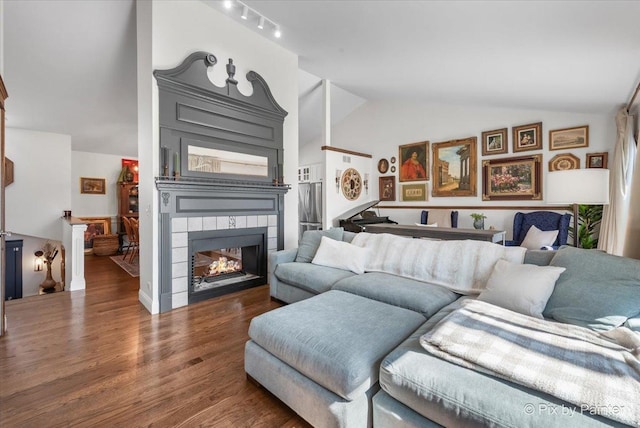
276,258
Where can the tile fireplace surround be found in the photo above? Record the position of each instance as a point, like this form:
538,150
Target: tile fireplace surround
180,228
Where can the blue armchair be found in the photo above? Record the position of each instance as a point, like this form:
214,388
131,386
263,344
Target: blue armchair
543,220
424,218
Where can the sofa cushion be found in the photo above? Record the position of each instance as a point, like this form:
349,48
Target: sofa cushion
536,238
598,290
340,255
311,241
521,288
538,257
313,278
407,293
336,339
451,395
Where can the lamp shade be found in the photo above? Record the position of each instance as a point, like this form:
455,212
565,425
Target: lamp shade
578,186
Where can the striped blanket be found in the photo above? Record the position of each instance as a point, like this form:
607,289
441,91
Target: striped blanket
462,266
598,372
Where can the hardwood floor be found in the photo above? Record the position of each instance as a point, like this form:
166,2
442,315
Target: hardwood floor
98,358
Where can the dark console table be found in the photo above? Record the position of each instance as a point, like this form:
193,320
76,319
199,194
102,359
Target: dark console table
443,233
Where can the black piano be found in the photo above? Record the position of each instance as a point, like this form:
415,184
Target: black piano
357,219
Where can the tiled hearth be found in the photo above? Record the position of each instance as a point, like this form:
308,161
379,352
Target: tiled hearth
180,228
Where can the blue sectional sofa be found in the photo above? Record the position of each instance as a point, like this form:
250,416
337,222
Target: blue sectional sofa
347,354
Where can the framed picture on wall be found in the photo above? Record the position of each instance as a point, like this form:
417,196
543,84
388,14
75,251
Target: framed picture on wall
387,188
517,178
93,186
495,142
414,192
569,138
414,161
527,137
454,168
597,160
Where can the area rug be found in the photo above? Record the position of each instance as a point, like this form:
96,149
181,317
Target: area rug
132,269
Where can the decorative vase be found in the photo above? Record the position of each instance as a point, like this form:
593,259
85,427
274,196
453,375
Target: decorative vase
128,175
49,283
478,224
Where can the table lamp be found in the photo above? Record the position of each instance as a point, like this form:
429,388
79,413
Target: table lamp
578,187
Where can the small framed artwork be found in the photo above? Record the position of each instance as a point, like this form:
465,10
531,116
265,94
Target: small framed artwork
93,186
387,188
414,161
517,178
454,168
569,138
414,192
494,142
527,137
393,169
563,162
8,171
597,160
383,166
95,226
393,159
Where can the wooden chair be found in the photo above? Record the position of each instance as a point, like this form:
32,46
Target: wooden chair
135,232
132,237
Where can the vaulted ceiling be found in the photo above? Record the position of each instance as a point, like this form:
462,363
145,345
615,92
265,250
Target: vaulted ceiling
70,66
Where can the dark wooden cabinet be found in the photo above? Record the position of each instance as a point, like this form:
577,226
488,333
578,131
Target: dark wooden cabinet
127,203
13,263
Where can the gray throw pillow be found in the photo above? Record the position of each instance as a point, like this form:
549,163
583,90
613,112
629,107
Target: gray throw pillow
598,290
311,241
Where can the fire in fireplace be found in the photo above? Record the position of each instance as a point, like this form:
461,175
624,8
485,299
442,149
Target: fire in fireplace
226,260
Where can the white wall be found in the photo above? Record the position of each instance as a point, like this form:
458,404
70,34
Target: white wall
179,28
380,127
335,203
85,164
41,188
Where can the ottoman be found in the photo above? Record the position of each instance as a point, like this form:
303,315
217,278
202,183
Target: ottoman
321,356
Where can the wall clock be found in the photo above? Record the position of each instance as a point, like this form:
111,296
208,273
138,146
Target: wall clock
351,184
563,162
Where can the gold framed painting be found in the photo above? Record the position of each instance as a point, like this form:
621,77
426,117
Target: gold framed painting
387,188
454,168
414,192
597,160
517,178
569,138
95,226
93,186
495,142
563,162
414,161
527,137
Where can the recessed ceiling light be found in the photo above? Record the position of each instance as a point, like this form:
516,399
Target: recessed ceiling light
228,4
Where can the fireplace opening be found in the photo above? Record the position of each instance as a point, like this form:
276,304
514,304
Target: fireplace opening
226,260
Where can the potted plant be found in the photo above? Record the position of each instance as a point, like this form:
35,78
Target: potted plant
589,218
478,220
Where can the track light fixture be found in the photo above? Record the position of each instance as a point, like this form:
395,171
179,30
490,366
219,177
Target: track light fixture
261,19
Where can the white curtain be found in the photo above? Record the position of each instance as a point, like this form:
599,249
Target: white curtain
613,229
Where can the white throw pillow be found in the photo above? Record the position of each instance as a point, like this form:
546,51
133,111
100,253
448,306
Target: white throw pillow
427,225
537,238
341,255
521,288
